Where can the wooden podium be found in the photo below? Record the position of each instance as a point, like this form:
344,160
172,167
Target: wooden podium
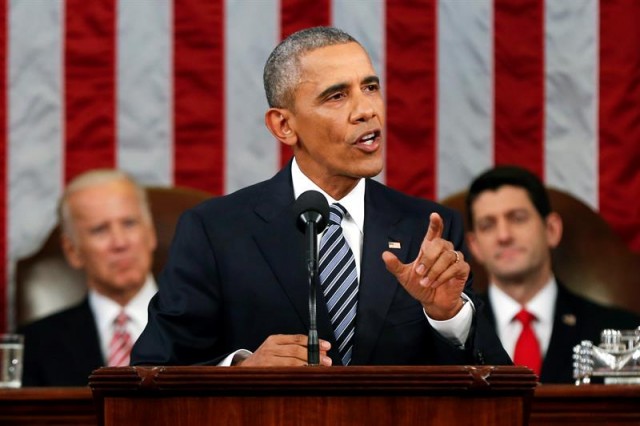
453,395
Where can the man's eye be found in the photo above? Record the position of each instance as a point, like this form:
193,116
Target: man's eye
520,217
336,96
484,226
371,87
98,230
129,223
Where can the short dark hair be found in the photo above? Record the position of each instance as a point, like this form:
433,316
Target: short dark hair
281,71
93,178
496,177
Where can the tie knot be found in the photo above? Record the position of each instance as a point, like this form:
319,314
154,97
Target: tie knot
525,317
336,213
121,319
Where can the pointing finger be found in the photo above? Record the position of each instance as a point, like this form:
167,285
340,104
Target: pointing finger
436,227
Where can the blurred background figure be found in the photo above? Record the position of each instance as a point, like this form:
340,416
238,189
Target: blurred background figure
108,233
512,233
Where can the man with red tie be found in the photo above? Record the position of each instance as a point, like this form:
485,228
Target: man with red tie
108,233
513,230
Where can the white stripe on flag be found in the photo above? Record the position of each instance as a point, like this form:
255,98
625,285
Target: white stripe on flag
366,23
34,166
144,93
465,93
571,118
251,32
35,121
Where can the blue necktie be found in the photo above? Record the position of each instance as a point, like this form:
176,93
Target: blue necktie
339,280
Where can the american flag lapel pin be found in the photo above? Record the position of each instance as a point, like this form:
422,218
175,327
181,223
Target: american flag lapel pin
569,319
394,244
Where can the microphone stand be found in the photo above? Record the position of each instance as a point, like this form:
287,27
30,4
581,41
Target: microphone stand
312,212
313,346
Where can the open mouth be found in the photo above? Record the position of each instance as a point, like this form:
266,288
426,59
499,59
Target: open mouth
368,138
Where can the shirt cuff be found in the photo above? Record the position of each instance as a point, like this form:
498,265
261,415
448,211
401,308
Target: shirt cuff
235,357
456,329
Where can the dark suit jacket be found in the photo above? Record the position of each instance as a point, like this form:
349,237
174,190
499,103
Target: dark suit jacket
236,275
575,319
62,349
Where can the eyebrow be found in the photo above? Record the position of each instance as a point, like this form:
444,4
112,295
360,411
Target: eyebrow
342,86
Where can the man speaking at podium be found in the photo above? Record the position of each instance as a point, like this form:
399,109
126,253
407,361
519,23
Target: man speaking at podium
394,284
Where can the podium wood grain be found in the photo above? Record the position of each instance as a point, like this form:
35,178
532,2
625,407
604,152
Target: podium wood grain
457,395
553,405
47,406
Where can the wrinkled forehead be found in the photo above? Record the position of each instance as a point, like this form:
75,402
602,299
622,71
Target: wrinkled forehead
344,64
108,199
345,56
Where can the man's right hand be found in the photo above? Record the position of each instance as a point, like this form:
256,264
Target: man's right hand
285,350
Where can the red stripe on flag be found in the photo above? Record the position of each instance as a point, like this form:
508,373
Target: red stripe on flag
4,316
296,15
519,83
619,118
90,63
199,94
411,96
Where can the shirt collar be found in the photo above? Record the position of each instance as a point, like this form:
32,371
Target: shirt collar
541,305
105,310
353,201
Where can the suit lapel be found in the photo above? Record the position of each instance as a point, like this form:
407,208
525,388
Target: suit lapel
558,361
377,286
88,355
487,308
282,245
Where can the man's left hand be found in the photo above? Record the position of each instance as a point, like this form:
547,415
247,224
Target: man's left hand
437,276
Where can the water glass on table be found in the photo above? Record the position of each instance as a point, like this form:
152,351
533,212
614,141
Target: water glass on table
11,349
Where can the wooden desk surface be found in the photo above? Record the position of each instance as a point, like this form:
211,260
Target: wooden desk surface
566,405
553,405
47,406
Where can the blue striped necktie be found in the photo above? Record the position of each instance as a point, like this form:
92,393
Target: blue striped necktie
339,280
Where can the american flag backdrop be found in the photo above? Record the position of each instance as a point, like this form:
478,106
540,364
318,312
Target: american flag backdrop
171,91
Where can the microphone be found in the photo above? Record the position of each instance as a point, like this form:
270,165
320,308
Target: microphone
311,210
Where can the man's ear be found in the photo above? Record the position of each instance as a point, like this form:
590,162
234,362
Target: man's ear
71,252
277,121
553,224
473,247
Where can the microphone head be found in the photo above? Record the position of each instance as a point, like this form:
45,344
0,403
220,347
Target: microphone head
311,206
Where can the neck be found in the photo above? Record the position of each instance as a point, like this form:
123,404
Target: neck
524,288
337,186
338,192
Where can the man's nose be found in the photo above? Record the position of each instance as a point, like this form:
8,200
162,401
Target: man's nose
119,236
504,231
363,108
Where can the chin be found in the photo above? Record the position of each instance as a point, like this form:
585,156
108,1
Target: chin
370,171
128,283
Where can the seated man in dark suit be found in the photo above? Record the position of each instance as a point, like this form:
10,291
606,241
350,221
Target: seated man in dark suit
395,285
538,320
107,231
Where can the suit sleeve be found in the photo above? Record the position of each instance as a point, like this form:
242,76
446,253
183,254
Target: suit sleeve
184,326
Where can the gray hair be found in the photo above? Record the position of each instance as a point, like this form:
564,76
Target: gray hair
282,69
93,178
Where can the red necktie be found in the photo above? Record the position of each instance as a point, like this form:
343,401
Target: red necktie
527,351
120,345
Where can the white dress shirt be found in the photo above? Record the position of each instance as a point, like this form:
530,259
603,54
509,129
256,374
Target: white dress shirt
455,329
541,306
106,310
